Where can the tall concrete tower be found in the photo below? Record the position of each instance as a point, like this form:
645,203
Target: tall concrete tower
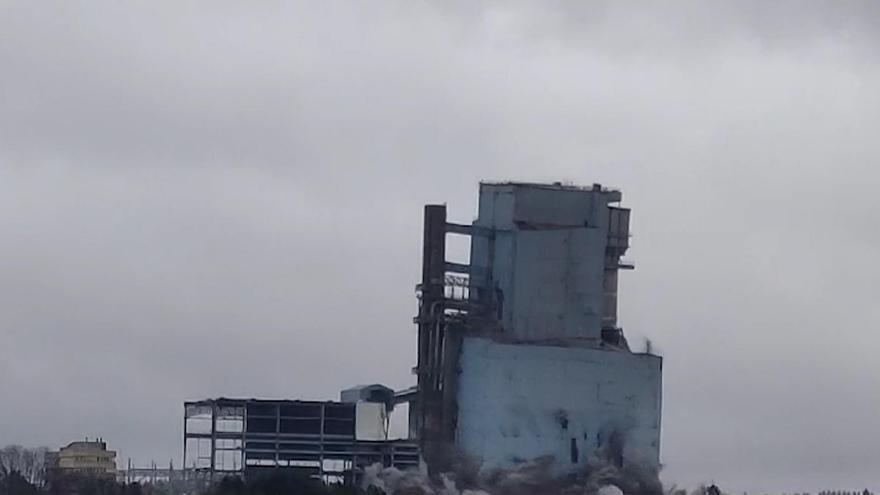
520,352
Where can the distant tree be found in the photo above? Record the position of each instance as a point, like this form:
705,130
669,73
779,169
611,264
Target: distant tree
229,485
132,489
279,482
285,483
81,484
34,465
13,483
30,463
10,458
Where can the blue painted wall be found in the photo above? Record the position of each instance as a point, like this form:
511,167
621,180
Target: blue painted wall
519,402
546,384
547,260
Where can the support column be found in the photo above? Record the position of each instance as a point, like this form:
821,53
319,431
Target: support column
183,461
430,368
213,438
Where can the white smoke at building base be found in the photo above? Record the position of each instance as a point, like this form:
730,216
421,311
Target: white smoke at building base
600,475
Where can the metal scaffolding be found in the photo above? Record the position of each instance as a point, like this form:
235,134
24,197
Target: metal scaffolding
453,297
242,436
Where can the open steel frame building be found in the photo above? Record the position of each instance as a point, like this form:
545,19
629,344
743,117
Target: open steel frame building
238,436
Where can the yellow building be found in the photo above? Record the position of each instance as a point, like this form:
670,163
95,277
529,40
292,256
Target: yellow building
91,458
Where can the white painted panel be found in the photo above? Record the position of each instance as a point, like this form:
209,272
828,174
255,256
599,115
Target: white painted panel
370,421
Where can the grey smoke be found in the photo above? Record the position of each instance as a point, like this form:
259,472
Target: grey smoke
599,476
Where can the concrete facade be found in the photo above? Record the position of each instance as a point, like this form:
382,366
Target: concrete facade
519,402
89,458
552,260
556,377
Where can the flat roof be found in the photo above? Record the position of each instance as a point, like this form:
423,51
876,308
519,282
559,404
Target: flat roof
559,185
232,400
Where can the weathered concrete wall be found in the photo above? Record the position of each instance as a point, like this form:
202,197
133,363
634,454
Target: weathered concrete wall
548,374
547,259
558,284
518,402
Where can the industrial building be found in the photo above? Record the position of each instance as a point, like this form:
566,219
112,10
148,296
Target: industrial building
528,359
333,440
520,356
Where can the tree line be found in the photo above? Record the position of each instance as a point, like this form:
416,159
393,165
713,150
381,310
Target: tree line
24,471
24,464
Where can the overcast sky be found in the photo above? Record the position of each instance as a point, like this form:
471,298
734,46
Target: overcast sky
224,198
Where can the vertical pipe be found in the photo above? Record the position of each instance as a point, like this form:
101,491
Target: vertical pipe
430,307
213,438
277,434
321,442
183,461
243,437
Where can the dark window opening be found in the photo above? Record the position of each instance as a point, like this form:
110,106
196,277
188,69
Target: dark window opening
261,425
301,410
261,445
310,447
340,412
339,427
261,410
265,456
307,426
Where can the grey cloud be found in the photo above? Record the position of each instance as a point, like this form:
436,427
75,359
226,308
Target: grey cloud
220,199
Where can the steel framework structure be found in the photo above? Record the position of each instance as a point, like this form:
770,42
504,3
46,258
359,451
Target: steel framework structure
451,301
240,436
